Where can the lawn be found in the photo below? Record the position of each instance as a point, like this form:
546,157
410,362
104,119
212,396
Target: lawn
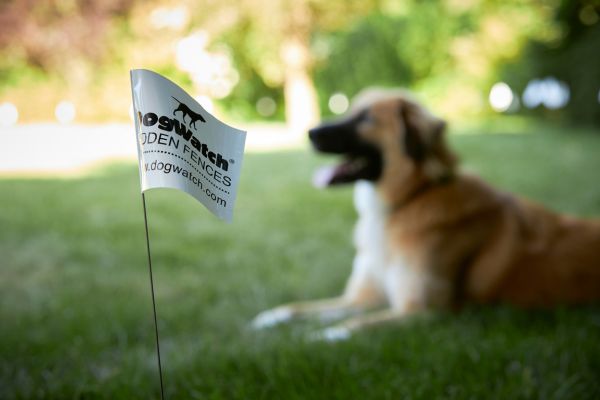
76,314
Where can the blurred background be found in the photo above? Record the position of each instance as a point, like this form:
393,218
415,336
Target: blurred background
295,61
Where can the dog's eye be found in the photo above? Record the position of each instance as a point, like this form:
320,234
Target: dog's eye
367,124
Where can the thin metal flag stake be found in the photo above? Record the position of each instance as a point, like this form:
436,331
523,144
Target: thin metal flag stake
162,392
182,146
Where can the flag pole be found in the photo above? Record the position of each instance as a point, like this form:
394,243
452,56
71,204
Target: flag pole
162,392
164,163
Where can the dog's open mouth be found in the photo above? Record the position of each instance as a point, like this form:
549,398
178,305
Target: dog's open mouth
361,159
353,168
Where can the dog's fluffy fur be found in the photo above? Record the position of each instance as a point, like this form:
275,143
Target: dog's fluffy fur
431,237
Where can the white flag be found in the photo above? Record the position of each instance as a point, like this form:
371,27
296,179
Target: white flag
181,146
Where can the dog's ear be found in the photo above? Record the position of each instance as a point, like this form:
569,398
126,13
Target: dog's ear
413,144
441,162
420,131
424,141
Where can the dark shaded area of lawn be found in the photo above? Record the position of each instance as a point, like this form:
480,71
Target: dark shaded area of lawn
75,311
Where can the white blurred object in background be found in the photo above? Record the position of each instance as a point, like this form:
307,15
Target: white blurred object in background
549,92
339,103
266,106
212,72
501,97
65,112
9,115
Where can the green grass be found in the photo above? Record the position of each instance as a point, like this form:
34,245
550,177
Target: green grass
75,308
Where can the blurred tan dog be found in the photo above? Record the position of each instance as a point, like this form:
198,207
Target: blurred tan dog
431,237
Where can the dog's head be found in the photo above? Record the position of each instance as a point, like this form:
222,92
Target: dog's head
387,138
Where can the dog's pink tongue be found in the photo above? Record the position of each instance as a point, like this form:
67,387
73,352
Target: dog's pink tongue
323,176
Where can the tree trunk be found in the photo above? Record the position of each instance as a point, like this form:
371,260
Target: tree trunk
301,104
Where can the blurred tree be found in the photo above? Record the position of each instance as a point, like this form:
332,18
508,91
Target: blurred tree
55,50
51,34
268,37
273,38
572,56
447,50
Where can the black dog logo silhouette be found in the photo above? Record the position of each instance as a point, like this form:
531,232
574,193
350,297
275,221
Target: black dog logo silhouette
203,160
186,111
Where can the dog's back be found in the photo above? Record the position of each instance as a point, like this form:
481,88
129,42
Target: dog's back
518,251
496,247
555,258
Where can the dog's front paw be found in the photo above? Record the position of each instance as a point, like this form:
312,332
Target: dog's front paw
269,318
332,334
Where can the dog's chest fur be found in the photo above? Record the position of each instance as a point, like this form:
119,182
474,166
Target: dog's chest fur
375,261
369,232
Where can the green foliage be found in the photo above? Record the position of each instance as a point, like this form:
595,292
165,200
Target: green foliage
354,52
447,53
383,50
241,104
77,318
15,72
450,51
257,43
573,57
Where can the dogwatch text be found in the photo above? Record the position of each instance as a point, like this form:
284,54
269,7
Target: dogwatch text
181,146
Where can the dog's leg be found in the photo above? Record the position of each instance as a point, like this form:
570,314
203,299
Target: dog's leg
344,330
287,312
361,292
409,290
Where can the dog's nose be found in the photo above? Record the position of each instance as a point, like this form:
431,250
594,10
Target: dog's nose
312,133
